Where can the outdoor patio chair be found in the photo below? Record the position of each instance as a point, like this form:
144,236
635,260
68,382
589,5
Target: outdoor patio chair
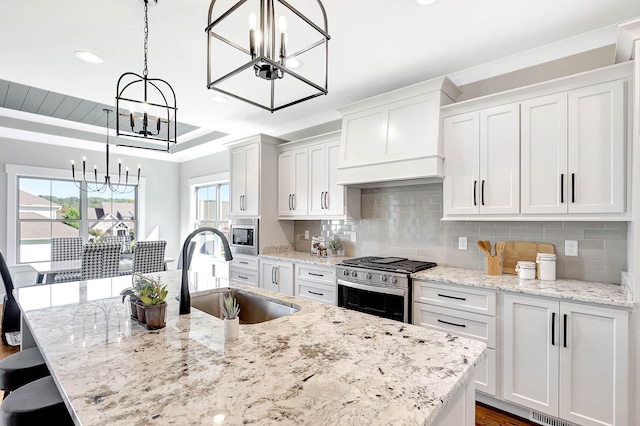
148,256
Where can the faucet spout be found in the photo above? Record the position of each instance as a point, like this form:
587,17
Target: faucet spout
185,297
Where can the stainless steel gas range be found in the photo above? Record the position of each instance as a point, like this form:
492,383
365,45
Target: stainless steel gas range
378,285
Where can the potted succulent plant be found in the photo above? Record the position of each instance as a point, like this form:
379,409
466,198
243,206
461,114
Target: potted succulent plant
132,293
153,299
334,246
231,310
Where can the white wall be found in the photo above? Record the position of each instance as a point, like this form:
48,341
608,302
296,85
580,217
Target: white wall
162,184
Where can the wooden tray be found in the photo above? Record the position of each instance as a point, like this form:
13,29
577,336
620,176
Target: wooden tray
522,250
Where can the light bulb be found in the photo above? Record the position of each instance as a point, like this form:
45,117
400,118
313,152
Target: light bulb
426,2
252,21
282,23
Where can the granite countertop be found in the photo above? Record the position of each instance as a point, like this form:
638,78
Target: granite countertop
304,257
321,365
581,291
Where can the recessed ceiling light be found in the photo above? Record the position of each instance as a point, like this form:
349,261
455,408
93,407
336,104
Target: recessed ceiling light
426,2
294,63
219,98
92,58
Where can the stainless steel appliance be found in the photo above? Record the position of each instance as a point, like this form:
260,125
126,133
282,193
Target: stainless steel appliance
243,236
378,285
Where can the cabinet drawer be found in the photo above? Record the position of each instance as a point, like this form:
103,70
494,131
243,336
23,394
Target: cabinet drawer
318,292
245,262
449,296
316,274
486,373
244,276
465,324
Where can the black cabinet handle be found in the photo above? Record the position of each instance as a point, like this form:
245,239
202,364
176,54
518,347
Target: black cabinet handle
326,200
562,188
289,202
242,262
452,323
293,201
317,294
565,330
573,187
452,297
273,270
475,189
316,275
553,328
243,277
483,192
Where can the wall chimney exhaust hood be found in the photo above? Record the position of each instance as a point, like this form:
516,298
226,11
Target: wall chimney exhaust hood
394,138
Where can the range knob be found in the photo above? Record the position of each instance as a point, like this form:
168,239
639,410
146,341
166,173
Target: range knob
354,274
393,280
383,278
368,275
345,273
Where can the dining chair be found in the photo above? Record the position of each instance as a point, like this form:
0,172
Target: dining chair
148,256
124,240
66,248
10,308
111,259
92,259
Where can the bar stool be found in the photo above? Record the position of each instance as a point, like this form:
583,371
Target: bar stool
35,403
21,368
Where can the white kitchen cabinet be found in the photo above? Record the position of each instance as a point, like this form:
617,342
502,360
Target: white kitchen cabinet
315,193
245,180
482,168
315,282
245,268
566,360
461,311
293,172
277,276
573,151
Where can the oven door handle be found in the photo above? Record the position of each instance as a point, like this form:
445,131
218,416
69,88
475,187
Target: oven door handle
373,288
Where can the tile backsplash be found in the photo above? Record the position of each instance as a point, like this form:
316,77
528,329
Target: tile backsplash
405,221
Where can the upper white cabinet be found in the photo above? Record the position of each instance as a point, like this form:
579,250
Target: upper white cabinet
566,360
307,181
573,151
482,167
554,151
394,136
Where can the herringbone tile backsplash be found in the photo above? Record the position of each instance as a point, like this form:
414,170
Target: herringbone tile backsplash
405,221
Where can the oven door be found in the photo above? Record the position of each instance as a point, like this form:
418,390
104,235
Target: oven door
386,302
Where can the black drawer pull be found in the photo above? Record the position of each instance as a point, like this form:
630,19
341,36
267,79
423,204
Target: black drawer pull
553,328
317,294
316,275
452,323
452,297
244,263
243,277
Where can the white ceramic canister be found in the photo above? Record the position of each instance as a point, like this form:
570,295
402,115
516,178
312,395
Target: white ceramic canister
547,265
526,270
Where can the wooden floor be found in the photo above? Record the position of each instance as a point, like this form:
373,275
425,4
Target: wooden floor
485,416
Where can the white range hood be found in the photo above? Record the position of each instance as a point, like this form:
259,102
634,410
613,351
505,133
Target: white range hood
393,138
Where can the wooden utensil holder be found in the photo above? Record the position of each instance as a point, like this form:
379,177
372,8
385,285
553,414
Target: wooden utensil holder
493,265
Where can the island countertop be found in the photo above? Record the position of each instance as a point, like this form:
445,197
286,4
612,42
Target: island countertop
321,365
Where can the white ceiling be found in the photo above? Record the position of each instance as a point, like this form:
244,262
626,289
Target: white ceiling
376,46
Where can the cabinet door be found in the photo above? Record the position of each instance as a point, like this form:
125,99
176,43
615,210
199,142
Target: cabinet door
499,185
268,274
317,180
593,365
334,198
530,351
461,151
292,183
238,180
284,278
596,149
544,155
251,202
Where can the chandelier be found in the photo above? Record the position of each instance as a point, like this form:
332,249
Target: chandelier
268,63
146,106
95,186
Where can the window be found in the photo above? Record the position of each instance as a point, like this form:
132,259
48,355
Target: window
212,206
45,204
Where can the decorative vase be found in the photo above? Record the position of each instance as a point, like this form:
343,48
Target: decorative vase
134,309
231,329
155,316
141,313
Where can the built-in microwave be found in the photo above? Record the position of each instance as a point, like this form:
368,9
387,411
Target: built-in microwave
243,236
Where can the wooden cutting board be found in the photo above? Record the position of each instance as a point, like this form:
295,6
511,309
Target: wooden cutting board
522,250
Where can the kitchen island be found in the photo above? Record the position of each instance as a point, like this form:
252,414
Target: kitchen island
321,365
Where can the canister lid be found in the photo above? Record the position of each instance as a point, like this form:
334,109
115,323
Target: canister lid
546,256
525,264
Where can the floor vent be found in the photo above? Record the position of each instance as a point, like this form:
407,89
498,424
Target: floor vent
546,420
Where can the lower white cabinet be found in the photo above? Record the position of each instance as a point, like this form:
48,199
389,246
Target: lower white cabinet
567,360
316,283
244,268
277,276
466,312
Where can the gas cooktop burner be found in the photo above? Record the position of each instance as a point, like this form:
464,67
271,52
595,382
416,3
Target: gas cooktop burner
391,264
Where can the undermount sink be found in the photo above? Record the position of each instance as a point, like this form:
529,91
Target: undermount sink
253,309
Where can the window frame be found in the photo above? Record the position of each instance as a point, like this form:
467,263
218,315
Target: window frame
199,182
15,171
